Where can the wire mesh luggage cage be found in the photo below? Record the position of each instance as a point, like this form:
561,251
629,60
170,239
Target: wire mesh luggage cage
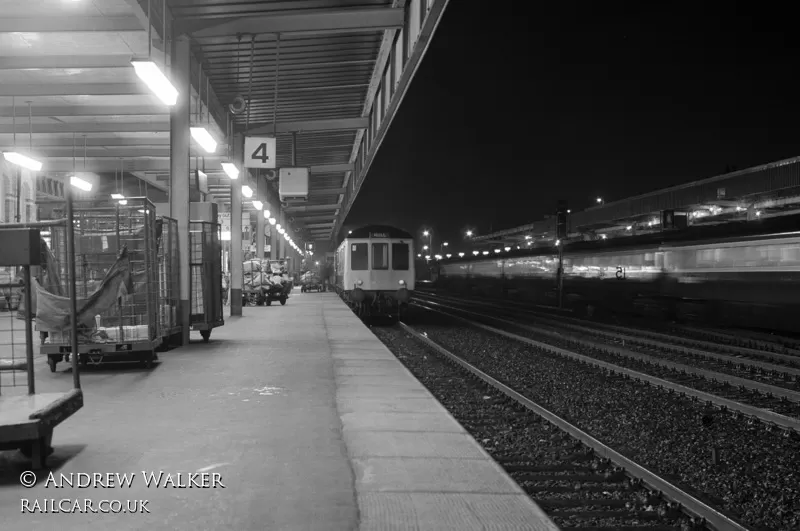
168,279
206,277
27,419
116,280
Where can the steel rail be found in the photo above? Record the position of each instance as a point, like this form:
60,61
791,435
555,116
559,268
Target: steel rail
764,415
691,504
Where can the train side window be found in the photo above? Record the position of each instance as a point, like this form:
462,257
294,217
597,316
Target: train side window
380,256
400,256
359,257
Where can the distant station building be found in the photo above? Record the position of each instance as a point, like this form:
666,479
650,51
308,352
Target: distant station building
755,193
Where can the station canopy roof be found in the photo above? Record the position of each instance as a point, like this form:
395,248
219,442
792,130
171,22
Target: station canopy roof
331,73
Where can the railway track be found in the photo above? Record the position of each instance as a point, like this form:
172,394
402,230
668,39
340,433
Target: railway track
579,481
769,379
767,360
763,377
746,398
746,342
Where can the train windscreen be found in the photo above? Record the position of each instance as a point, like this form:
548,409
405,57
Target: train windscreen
400,259
359,257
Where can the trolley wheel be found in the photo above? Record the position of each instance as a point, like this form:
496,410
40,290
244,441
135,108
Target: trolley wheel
283,301
148,359
52,361
206,335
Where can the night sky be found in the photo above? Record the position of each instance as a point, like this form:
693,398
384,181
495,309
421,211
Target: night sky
513,109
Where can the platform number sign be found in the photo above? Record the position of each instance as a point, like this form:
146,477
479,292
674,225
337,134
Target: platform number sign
259,152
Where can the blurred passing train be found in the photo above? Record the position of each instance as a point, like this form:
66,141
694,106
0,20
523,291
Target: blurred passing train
742,274
374,269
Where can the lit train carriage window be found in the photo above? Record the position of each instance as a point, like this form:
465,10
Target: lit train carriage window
380,256
790,254
359,257
400,253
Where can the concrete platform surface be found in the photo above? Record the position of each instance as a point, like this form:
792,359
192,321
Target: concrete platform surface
308,421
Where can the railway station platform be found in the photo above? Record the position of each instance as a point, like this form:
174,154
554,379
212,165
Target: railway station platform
308,420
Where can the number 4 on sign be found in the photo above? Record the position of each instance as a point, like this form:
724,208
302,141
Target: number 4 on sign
259,152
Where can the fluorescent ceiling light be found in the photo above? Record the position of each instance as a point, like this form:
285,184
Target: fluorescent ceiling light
21,160
117,196
247,191
266,214
231,170
79,183
123,202
258,204
225,236
204,138
149,72
272,221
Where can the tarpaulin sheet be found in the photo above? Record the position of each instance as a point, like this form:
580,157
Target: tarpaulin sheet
54,310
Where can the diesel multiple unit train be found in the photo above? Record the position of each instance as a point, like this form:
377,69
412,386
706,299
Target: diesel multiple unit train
374,269
741,274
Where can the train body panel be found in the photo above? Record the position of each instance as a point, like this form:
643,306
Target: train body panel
374,265
750,280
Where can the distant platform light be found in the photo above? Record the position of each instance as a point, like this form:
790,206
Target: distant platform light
485,253
603,236
629,227
558,242
272,221
204,138
497,250
258,204
230,170
461,255
448,255
476,253
507,249
80,184
117,196
247,191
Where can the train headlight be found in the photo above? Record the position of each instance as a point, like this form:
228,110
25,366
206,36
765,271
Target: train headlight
402,282
359,282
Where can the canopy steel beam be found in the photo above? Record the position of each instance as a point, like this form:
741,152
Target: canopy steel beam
311,219
337,124
311,208
64,24
95,152
74,89
327,225
326,191
86,110
310,22
162,127
64,61
109,165
43,142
